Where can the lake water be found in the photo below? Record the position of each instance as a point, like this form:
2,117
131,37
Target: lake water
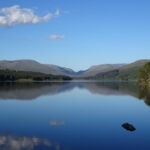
73,116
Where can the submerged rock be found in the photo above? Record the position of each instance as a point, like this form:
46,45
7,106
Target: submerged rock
128,127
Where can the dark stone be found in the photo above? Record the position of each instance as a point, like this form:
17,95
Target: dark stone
128,127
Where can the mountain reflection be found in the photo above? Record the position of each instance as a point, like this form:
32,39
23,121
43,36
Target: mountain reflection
30,91
15,142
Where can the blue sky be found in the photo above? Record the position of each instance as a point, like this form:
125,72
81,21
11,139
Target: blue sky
75,34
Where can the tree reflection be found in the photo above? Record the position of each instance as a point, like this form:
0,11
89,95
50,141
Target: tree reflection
144,93
31,91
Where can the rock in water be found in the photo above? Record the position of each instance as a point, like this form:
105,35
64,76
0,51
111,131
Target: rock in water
128,127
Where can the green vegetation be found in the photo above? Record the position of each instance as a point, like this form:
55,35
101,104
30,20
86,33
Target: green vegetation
144,76
8,75
110,75
129,74
126,73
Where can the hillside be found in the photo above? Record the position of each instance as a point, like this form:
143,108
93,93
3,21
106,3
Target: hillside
94,70
34,66
24,76
61,70
130,71
126,72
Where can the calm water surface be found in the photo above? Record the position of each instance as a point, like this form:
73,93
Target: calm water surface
73,116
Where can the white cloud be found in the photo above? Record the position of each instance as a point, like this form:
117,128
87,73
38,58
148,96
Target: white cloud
14,15
57,12
56,37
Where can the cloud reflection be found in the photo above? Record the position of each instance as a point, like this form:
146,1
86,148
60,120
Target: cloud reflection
56,122
14,142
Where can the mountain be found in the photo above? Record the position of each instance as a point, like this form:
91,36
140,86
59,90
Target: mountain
126,72
34,66
60,70
135,65
100,69
131,70
103,71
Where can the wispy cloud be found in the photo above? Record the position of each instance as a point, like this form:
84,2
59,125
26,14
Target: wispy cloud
14,15
56,37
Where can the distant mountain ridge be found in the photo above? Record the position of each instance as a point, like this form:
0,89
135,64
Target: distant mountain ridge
32,65
98,70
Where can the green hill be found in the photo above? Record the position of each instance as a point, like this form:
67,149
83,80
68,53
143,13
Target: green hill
130,71
127,72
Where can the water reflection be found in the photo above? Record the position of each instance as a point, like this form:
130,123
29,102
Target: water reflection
70,120
30,91
57,122
16,142
144,93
